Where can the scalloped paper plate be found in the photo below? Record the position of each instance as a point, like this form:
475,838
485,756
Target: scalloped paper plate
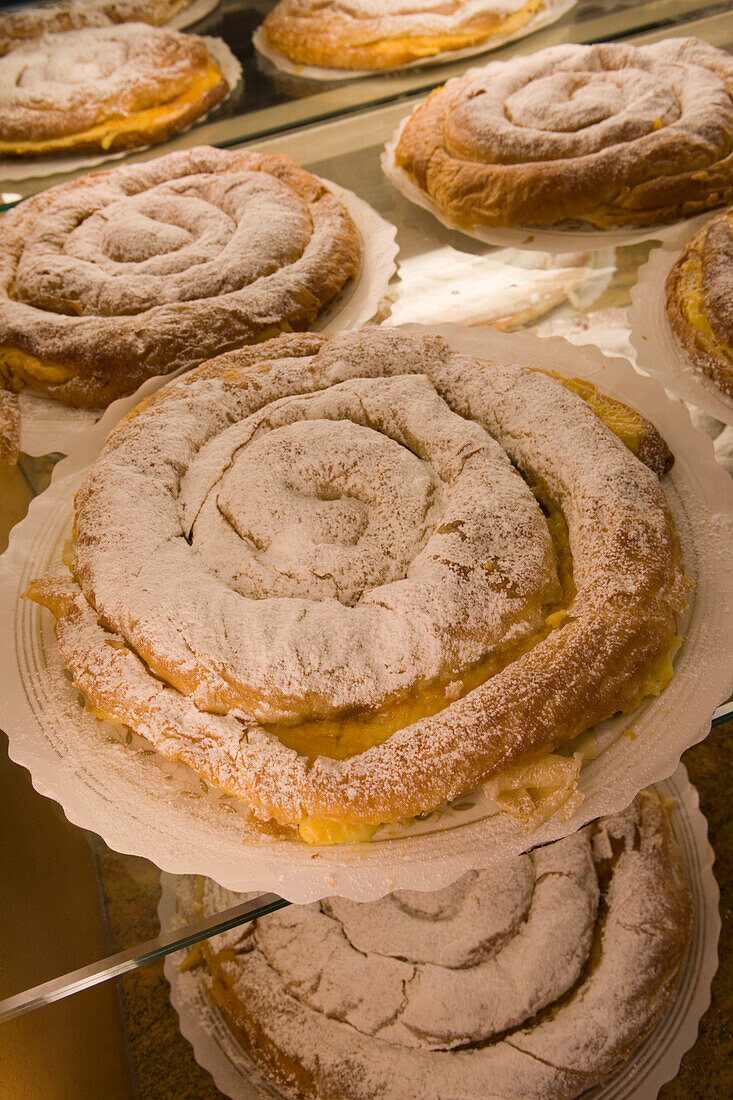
46,426
111,781
658,352
654,1063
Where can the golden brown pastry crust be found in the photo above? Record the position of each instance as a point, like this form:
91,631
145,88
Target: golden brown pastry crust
23,24
560,655
120,275
537,979
609,135
699,296
143,85
339,35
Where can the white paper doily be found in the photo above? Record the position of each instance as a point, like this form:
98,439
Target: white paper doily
658,352
199,9
655,1062
554,10
112,782
541,240
47,426
16,168
445,286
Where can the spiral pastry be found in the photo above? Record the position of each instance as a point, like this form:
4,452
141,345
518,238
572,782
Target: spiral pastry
534,980
347,580
117,276
22,24
104,88
384,34
699,294
608,134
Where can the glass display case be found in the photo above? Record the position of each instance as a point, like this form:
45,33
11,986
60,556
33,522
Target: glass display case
81,923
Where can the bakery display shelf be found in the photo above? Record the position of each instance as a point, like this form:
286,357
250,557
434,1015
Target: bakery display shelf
267,102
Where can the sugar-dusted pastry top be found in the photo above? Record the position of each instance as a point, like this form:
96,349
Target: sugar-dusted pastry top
535,979
351,578
20,24
137,271
699,294
358,34
608,134
110,87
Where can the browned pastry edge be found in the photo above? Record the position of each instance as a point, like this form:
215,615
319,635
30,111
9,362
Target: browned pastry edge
684,296
335,41
9,426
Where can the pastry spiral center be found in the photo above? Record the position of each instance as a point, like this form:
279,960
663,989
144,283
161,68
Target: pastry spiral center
323,509
188,239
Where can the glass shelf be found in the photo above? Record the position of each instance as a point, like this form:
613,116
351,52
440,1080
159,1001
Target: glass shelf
74,913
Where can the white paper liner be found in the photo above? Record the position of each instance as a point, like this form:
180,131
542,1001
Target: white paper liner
542,240
49,427
607,329
112,782
445,286
16,168
199,9
554,10
658,352
655,1062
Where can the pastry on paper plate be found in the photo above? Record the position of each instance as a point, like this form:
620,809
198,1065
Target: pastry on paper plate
104,88
385,34
536,979
700,301
602,135
348,579
115,277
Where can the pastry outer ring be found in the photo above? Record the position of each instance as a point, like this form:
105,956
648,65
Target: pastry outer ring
619,627
309,1001
700,286
146,84
115,344
621,159
330,36
22,24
